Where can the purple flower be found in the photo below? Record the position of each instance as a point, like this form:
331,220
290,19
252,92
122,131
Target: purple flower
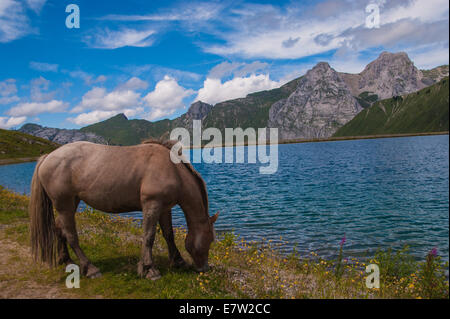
433,252
343,240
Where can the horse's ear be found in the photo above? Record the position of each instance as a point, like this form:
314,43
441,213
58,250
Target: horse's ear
213,219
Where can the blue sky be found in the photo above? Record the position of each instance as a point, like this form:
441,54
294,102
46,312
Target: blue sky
152,59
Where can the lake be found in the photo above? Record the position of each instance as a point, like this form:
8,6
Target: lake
380,193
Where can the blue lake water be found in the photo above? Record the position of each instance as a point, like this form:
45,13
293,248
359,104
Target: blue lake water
380,193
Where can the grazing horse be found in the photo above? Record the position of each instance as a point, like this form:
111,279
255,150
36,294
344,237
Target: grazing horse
118,179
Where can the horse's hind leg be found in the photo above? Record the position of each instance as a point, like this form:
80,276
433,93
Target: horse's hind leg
63,251
69,232
165,221
146,267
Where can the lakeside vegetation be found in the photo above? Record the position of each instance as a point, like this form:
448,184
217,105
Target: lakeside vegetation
17,147
240,269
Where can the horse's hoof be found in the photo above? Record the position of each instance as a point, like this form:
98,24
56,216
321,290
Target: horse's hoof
98,274
93,272
153,274
178,263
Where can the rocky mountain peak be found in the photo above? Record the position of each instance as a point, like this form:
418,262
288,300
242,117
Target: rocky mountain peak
120,116
198,110
391,74
321,104
61,136
323,66
396,62
321,70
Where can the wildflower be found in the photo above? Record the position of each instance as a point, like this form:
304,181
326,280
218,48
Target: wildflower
433,252
343,240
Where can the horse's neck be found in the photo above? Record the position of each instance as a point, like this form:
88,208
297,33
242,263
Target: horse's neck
192,201
195,214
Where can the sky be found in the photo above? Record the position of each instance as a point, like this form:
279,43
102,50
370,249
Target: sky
152,59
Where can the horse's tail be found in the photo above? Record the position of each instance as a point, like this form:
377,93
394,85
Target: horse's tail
42,222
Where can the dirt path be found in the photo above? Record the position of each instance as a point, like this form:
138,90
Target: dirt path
16,279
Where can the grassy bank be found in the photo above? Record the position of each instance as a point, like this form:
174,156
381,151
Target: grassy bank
239,269
7,161
18,147
426,110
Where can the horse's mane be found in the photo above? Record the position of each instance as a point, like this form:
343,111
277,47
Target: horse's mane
166,143
201,182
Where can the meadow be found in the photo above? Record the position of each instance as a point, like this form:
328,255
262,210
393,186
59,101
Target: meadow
239,269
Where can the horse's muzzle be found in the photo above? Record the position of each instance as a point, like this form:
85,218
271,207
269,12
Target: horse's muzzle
204,268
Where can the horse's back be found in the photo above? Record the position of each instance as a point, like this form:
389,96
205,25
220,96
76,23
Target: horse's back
110,178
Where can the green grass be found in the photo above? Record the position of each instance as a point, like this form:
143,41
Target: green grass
14,144
240,269
424,111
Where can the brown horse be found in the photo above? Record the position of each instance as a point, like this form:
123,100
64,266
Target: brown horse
118,179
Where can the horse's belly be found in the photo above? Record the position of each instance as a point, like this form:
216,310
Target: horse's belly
112,203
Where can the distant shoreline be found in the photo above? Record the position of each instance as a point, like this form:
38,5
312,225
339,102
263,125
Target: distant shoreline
329,139
7,161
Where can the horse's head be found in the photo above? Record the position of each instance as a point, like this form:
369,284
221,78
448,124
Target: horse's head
198,241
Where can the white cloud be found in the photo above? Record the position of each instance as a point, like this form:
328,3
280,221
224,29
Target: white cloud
238,69
428,58
297,31
423,10
44,67
9,99
8,87
99,99
14,23
214,91
39,90
108,39
189,12
98,115
167,97
34,108
8,122
8,90
133,83
89,79
36,5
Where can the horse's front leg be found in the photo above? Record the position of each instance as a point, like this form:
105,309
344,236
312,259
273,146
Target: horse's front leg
146,267
165,221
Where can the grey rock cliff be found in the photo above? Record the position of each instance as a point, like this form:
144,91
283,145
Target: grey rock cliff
61,136
197,111
391,74
320,105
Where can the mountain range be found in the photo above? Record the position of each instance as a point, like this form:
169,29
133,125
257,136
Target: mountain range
423,111
316,105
